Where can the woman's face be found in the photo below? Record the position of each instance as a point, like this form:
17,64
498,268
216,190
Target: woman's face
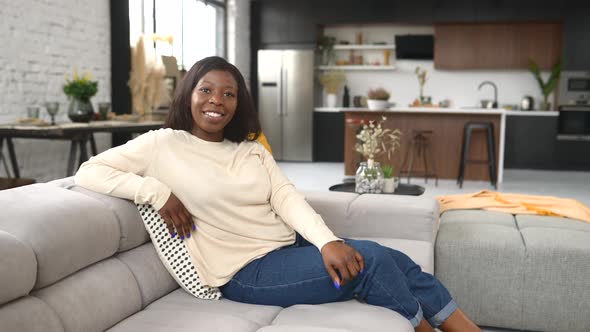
213,104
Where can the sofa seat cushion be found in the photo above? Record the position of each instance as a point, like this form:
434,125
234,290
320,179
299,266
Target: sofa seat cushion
349,316
29,314
421,252
479,257
557,271
180,311
520,272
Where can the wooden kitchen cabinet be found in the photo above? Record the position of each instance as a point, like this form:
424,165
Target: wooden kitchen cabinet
445,141
496,45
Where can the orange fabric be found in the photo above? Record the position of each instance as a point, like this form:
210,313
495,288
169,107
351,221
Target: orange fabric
516,204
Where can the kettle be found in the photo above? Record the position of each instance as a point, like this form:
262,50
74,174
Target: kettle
527,103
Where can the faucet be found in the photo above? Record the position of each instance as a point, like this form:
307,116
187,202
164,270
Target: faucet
495,103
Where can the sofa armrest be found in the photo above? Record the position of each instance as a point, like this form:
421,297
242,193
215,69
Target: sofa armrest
385,216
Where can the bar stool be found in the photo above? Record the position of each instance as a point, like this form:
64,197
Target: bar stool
419,146
468,129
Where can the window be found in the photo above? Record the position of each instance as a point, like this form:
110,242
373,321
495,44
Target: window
197,27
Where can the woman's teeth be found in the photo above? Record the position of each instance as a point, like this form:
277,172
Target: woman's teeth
213,114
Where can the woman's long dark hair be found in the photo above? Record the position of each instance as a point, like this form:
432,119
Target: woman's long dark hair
243,126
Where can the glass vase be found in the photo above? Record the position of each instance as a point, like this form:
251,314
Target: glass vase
80,110
369,178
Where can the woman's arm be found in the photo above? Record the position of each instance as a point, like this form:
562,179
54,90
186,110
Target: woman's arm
292,207
120,172
343,263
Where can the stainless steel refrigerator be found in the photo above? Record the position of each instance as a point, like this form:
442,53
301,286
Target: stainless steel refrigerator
285,102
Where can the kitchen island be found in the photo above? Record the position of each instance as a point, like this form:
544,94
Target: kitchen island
446,125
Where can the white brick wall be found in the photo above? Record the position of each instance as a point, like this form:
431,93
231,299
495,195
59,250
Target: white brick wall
40,42
238,35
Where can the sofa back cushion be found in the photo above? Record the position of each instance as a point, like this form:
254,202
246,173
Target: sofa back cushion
133,233
389,216
67,231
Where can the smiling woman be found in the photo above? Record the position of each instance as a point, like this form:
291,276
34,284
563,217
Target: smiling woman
213,103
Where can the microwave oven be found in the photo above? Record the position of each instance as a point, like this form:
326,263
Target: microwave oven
574,88
574,110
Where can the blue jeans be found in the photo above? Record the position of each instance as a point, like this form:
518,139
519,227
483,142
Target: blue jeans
296,274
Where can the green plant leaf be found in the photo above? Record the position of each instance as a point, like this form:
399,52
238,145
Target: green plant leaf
534,69
387,171
553,79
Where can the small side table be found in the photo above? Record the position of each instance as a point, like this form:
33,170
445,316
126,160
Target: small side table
402,189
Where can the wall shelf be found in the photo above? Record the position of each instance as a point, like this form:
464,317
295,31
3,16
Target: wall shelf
364,47
357,67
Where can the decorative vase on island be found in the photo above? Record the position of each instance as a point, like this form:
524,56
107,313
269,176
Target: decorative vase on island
80,110
545,105
331,100
369,178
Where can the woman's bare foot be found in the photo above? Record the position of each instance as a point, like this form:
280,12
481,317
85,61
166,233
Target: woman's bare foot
458,322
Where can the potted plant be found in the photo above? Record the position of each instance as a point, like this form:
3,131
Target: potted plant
79,90
422,76
332,81
325,47
389,183
377,99
372,141
546,86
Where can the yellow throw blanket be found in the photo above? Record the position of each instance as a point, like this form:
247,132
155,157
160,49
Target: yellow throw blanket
516,204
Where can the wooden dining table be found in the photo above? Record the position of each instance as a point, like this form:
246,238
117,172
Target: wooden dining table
80,135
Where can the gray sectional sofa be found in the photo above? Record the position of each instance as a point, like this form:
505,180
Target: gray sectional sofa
75,260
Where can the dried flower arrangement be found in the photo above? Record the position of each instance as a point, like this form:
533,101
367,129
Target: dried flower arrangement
146,81
332,80
378,94
373,140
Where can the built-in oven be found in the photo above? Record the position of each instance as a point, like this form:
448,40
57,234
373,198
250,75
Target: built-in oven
574,109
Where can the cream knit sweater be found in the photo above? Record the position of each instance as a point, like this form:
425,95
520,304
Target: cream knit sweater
242,204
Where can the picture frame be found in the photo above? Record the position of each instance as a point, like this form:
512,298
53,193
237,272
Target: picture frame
170,82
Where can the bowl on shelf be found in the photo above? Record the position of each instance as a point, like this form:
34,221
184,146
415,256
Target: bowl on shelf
376,104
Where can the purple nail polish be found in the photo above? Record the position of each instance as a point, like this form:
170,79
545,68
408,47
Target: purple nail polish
336,285
194,227
188,235
182,237
173,235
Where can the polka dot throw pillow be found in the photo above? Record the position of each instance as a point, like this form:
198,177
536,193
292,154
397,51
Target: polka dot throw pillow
174,255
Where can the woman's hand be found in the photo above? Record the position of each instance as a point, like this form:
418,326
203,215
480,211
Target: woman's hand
342,260
177,217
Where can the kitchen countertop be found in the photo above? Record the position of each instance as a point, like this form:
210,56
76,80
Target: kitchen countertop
439,110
